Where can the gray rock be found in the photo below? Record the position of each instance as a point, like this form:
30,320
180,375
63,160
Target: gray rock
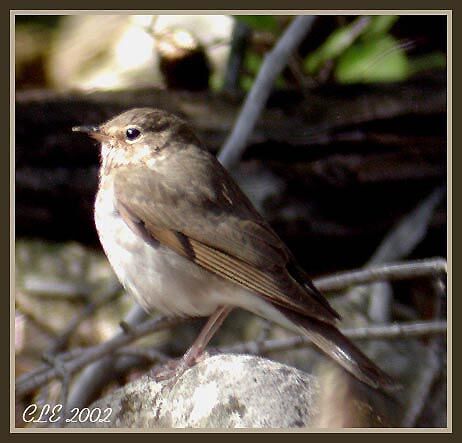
223,391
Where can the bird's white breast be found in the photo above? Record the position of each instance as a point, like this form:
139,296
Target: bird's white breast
157,277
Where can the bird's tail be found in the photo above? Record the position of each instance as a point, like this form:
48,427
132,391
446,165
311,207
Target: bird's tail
333,343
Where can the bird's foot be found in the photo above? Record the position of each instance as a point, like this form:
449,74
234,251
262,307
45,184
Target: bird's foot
175,368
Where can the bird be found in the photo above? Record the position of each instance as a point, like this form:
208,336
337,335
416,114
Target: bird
183,239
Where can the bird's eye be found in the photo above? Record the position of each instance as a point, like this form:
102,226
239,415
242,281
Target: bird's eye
132,134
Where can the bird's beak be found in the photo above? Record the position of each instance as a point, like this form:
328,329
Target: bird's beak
92,131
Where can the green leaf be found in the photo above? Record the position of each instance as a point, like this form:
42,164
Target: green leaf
379,25
377,60
335,44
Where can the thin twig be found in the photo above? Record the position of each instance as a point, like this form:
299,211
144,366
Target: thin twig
240,37
274,63
103,299
105,296
104,352
425,378
108,294
389,272
57,363
31,381
383,332
95,376
432,367
397,244
409,231
152,355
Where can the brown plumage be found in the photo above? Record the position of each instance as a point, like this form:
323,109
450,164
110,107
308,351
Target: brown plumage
178,201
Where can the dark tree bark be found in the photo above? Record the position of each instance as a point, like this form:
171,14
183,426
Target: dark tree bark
352,160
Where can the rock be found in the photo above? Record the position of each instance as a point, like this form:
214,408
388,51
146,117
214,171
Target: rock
223,391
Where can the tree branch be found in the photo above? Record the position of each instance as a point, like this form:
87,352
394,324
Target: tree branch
274,63
72,363
240,37
94,376
430,369
33,380
107,295
389,272
386,332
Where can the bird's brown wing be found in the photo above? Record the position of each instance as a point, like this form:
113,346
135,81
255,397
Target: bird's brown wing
206,218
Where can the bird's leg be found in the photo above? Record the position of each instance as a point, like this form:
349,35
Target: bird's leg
208,331
190,358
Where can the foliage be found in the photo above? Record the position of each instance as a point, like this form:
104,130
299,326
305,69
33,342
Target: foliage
365,51
380,59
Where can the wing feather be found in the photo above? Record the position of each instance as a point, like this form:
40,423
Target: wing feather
219,231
